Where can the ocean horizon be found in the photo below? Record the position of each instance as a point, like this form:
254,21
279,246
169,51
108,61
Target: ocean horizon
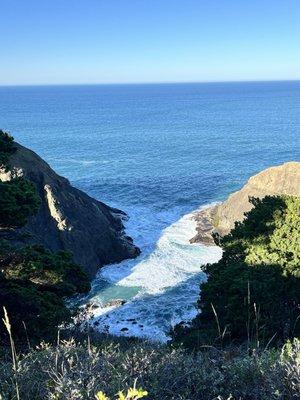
242,81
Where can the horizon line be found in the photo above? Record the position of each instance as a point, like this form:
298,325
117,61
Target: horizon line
149,83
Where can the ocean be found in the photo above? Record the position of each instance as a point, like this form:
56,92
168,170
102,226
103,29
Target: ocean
159,152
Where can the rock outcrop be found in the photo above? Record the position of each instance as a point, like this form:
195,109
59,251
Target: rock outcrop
69,219
280,180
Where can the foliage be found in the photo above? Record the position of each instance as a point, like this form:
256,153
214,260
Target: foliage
81,370
33,283
33,311
7,148
18,201
253,292
18,197
55,272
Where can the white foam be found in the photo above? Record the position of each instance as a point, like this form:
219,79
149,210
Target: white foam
161,286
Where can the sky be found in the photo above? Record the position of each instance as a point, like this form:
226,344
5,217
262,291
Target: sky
143,41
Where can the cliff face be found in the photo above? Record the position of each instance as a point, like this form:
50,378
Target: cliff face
284,179
69,219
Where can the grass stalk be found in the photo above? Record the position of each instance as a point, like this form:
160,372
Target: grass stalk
13,351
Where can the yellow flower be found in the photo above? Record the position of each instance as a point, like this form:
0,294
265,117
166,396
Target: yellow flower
135,394
121,396
101,396
132,394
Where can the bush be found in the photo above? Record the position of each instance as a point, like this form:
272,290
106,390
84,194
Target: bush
33,283
253,292
55,272
18,201
32,310
7,148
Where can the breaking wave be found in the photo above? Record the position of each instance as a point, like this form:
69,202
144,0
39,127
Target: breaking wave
160,287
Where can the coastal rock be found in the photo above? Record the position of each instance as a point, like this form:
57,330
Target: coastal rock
280,180
69,219
115,303
204,219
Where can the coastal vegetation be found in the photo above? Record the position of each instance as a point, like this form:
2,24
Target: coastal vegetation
253,293
90,366
18,197
7,148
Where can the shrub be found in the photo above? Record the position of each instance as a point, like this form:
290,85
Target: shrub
33,311
253,292
33,283
18,201
7,148
55,272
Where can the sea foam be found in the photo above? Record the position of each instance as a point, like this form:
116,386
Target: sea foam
161,286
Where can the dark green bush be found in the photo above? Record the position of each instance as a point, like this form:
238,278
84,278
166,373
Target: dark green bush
55,272
18,201
7,148
31,308
33,283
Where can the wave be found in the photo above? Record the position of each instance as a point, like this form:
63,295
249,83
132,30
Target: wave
161,286
82,162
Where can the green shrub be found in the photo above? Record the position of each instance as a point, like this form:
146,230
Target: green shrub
7,148
31,308
33,283
253,292
55,272
18,201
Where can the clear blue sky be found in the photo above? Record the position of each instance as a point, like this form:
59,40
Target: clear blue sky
121,41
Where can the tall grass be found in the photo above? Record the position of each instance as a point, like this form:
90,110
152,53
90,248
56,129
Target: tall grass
15,363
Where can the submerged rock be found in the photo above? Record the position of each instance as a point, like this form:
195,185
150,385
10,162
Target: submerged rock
280,180
69,219
115,302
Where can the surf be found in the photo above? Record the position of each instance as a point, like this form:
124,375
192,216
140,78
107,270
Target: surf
160,288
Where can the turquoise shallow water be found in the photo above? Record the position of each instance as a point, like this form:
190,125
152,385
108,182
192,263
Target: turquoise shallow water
158,152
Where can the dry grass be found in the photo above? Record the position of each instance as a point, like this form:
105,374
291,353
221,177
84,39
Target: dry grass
80,370
73,371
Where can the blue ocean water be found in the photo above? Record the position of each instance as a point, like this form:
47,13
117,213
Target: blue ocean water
157,152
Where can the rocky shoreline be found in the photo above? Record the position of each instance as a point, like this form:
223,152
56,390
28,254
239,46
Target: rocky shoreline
205,226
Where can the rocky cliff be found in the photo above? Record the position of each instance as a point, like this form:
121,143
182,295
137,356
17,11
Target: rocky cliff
283,179
69,219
